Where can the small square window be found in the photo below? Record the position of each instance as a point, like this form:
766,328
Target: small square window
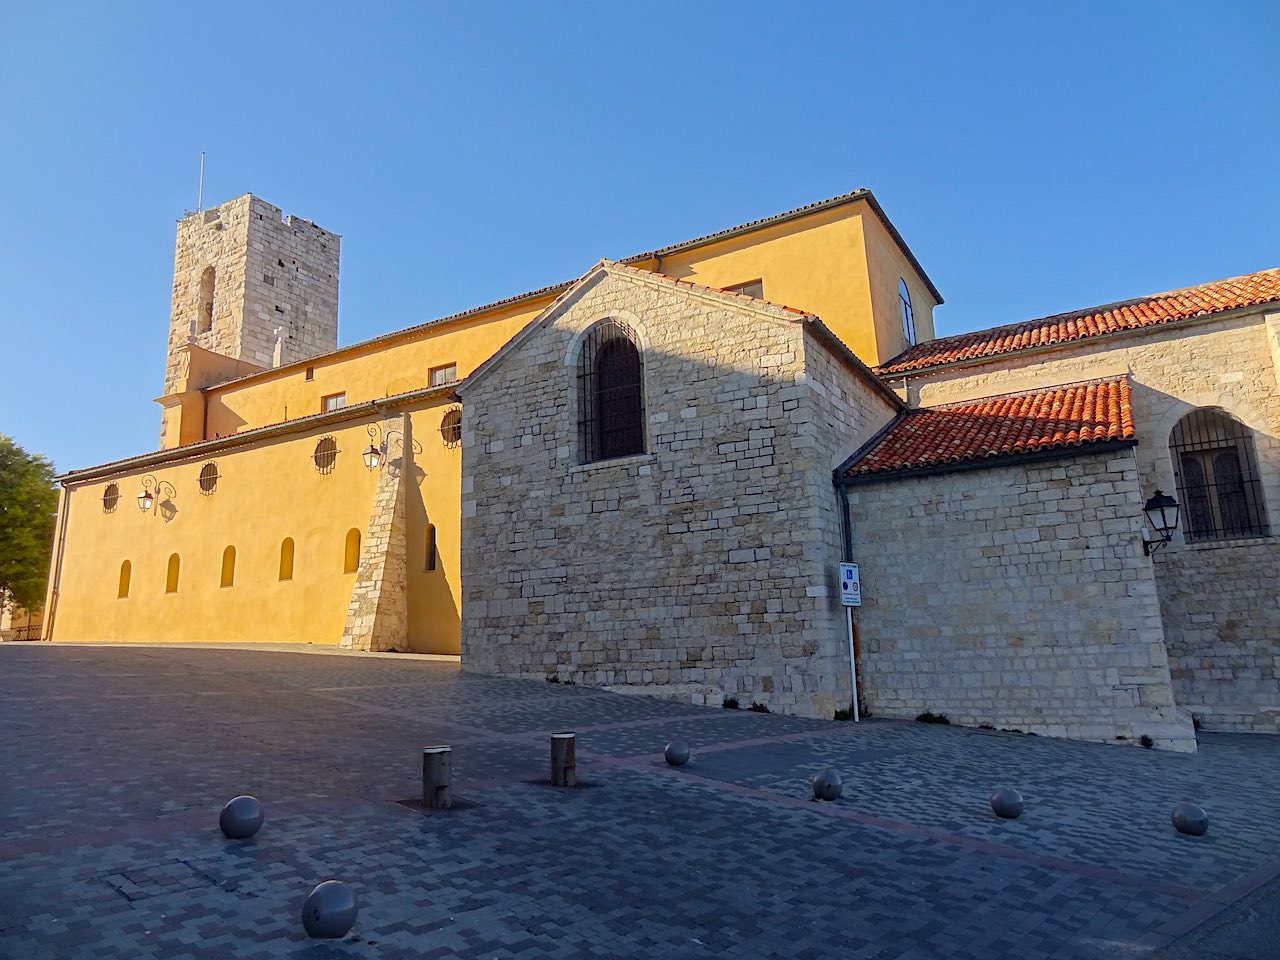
334,401
753,288
442,375
311,373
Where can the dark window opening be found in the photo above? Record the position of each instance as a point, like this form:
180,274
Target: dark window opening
610,393
1218,479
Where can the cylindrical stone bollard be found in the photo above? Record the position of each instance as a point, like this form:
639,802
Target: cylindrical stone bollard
437,777
564,764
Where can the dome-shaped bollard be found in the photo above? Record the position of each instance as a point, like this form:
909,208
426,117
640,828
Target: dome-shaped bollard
1189,819
827,785
677,753
1006,803
330,910
241,818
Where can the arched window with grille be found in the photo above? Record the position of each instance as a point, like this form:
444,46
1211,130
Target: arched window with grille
610,393
1217,473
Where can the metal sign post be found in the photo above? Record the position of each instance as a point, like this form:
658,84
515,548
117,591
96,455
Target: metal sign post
850,597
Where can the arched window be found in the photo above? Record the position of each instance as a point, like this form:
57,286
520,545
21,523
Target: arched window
286,559
1217,473
610,393
351,555
430,563
126,574
171,574
204,316
908,315
228,567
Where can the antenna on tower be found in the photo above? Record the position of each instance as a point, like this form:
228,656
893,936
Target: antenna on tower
200,195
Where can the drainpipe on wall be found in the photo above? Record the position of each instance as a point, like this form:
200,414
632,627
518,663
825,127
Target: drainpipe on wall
55,578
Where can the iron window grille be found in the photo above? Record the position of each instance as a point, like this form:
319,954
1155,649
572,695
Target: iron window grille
1217,475
209,478
326,455
610,393
110,498
451,427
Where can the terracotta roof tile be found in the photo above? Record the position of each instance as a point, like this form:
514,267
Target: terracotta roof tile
1066,416
1160,308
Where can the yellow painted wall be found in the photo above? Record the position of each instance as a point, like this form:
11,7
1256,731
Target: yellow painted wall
815,263
886,264
365,374
839,263
267,491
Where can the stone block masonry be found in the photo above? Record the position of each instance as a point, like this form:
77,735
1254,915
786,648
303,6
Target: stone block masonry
246,278
378,615
1219,599
692,570
1016,596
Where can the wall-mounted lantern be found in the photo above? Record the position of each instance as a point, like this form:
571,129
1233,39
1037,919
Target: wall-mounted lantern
1162,514
386,448
152,490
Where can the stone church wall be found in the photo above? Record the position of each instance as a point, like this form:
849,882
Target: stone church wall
1016,596
1220,600
690,571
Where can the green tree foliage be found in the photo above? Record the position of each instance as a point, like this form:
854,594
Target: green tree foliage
28,505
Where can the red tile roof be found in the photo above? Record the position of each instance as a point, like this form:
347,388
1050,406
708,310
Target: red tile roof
1160,308
1067,416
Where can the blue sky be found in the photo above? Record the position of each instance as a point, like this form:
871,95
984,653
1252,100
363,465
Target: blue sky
1036,157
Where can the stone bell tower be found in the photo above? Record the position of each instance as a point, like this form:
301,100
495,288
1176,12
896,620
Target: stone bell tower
250,285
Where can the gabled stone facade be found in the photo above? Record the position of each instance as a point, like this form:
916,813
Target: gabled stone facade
700,569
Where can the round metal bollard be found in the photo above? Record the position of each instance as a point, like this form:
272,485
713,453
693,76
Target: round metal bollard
241,818
827,785
677,753
1006,803
330,910
1189,819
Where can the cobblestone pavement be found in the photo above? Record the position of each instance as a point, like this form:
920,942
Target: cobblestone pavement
116,761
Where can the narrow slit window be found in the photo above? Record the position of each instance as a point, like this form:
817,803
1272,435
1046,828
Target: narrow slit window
351,552
171,574
908,315
126,574
204,314
430,562
228,567
286,559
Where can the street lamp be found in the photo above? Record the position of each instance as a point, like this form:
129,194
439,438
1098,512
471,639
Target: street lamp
1162,514
372,457
151,487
